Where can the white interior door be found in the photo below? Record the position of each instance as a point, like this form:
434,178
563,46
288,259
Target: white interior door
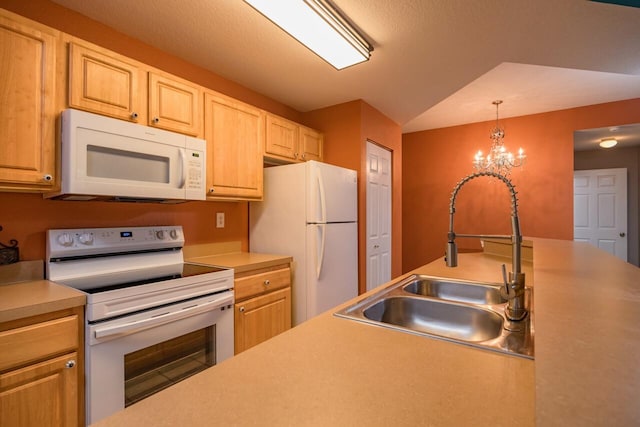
600,209
378,215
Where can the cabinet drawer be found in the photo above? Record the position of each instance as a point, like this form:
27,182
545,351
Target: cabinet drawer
257,284
21,346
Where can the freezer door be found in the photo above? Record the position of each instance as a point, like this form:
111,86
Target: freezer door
332,266
331,193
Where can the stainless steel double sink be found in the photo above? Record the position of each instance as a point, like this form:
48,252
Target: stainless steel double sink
461,311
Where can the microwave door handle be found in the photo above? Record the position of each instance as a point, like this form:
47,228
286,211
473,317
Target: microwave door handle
161,319
183,169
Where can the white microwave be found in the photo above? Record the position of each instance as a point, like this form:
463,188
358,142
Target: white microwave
109,159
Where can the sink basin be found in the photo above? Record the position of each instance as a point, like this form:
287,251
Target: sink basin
459,311
456,321
460,291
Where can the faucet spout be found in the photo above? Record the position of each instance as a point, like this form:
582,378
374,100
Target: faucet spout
516,309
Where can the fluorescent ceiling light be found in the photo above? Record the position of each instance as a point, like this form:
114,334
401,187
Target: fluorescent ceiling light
318,26
608,142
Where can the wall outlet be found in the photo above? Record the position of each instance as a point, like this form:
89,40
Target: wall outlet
219,219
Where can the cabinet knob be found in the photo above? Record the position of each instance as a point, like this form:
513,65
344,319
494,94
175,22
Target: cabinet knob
70,364
241,309
47,178
134,115
623,234
211,190
156,120
267,282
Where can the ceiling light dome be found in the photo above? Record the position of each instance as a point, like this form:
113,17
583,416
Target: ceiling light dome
608,142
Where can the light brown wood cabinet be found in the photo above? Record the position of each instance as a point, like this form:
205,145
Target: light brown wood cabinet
311,144
287,141
42,370
263,305
235,135
27,104
104,82
174,104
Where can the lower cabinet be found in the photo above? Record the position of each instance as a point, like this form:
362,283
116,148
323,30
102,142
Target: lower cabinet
44,394
41,371
263,306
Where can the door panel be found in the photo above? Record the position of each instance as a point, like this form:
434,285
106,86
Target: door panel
378,215
600,209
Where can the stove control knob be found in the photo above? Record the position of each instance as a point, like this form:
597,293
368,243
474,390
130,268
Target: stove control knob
65,239
160,234
86,238
173,234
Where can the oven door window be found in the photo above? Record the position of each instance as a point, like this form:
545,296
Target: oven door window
151,369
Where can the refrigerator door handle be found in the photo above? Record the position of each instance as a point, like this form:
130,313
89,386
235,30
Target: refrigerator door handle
320,250
323,203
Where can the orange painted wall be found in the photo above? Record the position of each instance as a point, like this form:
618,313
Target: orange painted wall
435,160
26,217
347,127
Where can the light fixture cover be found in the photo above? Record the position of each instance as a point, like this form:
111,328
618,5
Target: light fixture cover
318,26
608,142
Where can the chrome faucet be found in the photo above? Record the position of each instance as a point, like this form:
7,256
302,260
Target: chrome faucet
513,289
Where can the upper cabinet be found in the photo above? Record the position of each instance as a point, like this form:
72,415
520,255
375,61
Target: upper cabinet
311,142
27,104
287,141
282,138
174,104
235,136
105,82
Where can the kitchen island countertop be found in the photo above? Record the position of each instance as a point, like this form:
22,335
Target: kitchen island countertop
333,371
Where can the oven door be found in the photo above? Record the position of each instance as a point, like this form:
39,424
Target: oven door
134,356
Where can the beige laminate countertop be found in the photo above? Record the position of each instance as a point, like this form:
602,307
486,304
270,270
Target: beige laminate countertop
332,371
241,261
25,299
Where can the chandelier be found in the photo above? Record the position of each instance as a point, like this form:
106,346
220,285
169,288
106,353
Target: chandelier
498,160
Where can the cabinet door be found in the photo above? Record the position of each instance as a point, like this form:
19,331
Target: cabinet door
27,104
235,135
281,141
106,83
260,318
174,105
310,144
40,395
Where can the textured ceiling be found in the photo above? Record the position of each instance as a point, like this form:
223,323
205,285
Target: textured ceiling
436,63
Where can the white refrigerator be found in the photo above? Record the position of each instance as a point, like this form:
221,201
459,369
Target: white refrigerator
310,212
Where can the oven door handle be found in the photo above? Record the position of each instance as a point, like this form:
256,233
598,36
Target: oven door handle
137,325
